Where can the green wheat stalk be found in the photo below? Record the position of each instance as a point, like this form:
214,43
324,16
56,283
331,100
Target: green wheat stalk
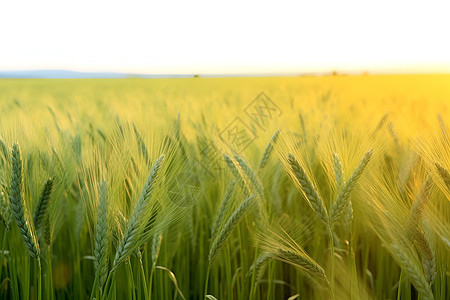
413,272
312,196
131,235
343,197
17,205
223,207
338,171
41,207
231,223
302,261
268,151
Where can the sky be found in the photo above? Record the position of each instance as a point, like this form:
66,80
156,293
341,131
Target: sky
212,37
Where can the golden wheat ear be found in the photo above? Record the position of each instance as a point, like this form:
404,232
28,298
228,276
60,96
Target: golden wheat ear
444,173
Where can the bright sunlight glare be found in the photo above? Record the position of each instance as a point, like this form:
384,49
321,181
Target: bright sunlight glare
210,37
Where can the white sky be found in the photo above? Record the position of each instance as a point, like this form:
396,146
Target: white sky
225,37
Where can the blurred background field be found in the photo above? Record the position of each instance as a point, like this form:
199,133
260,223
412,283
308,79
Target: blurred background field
410,100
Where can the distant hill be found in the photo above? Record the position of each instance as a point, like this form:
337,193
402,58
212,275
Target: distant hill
73,74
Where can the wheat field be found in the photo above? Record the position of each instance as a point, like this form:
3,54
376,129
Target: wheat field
312,187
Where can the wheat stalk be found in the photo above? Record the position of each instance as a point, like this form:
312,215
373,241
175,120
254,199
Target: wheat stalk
231,223
445,175
268,151
258,266
343,197
101,237
415,215
251,176
302,261
4,149
381,123
415,233
156,247
223,207
429,267
338,171
17,206
393,134
142,148
41,207
413,272
232,168
237,175
47,232
131,235
444,129
348,217
5,211
311,194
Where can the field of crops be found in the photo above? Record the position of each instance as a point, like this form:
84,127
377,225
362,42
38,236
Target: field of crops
334,187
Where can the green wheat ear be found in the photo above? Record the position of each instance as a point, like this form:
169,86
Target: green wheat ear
143,151
343,197
223,207
156,247
413,272
302,261
5,211
232,222
17,206
42,205
338,171
131,236
259,265
251,176
269,150
311,194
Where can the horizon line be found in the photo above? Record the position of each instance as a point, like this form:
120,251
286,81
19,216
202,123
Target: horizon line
72,74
